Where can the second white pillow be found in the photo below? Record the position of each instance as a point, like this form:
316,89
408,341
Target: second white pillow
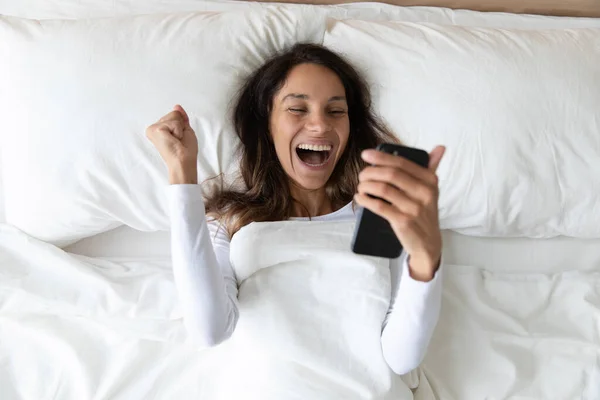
519,112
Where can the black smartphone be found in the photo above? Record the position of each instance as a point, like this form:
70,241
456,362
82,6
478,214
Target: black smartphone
373,235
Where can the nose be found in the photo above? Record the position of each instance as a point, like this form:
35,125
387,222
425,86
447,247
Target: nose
318,123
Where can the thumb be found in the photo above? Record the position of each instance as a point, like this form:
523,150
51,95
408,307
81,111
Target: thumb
182,112
435,157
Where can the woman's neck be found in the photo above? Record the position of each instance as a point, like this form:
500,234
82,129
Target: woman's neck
310,203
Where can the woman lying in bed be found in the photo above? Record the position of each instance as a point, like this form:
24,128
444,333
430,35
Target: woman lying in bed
307,134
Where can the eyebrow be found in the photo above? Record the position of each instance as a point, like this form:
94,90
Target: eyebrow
306,97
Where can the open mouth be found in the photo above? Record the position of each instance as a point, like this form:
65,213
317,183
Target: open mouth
314,155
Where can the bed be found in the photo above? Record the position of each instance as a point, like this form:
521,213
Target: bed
90,311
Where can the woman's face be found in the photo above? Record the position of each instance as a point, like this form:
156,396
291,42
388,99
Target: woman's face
309,124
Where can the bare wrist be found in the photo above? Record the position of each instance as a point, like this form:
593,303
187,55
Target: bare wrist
423,269
183,175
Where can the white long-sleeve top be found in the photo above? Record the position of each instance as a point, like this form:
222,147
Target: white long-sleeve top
207,286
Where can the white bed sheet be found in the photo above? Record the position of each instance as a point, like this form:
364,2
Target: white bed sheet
515,255
520,320
496,254
2,212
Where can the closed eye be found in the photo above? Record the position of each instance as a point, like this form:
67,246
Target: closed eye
338,112
297,110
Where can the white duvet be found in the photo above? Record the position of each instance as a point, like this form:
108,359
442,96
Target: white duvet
73,327
311,314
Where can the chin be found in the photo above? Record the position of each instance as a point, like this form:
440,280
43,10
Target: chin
311,184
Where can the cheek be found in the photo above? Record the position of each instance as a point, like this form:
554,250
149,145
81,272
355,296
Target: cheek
344,134
282,133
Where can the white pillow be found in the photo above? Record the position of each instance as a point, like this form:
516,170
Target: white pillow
519,112
77,96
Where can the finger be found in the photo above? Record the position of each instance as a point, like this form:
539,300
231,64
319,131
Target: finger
377,206
180,110
394,176
400,222
175,127
160,136
172,116
435,157
423,192
382,159
392,195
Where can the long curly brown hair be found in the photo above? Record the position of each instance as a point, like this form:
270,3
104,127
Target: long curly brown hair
268,197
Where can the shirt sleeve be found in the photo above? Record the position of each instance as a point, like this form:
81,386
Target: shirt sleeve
412,317
202,271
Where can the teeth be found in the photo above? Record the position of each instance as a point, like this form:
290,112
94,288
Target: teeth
314,147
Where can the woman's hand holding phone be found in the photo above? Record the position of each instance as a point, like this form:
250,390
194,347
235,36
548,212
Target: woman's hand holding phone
177,144
411,205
